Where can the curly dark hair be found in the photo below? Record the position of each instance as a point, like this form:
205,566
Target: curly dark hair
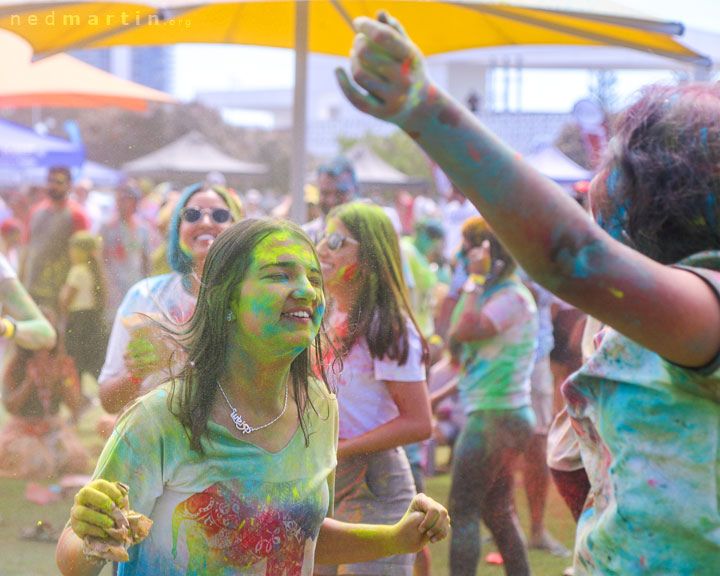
663,172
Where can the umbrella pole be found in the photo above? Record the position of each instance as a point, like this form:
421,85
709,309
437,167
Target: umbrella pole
298,212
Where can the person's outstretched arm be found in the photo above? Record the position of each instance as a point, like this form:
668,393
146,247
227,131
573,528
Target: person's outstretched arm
131,357
669,311
344,543
31,329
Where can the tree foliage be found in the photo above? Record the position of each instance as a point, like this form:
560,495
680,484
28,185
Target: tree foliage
398,150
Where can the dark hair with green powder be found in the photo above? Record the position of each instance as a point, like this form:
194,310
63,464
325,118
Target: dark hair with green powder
382,304
204,337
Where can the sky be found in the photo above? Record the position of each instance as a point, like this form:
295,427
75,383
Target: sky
204,67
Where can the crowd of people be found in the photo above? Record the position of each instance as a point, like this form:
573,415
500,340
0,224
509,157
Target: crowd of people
274,393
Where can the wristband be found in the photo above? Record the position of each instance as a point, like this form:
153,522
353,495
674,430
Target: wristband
10,328
475,283
435,339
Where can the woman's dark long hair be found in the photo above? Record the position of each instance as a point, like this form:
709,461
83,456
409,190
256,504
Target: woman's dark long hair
206,334
382,304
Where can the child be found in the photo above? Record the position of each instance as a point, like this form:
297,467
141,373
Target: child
35,442
82,299
646,404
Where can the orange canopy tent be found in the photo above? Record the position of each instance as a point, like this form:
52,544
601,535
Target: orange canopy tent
63,81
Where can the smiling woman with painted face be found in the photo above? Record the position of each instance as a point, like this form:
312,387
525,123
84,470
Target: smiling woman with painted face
234,459
382,394
132,356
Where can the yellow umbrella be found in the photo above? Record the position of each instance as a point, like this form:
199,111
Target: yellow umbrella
52,26
324,26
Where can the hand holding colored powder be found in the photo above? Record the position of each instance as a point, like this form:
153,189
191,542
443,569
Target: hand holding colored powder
140,357
101,516
148,351
389,68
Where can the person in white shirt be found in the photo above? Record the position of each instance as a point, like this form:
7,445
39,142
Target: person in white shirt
382,393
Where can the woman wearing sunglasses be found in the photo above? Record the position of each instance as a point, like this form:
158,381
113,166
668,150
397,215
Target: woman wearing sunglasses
132,355
382,395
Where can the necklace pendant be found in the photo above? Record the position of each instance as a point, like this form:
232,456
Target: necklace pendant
243,426
240,424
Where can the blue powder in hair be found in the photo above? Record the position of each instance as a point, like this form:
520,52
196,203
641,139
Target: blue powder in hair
612,182
711,212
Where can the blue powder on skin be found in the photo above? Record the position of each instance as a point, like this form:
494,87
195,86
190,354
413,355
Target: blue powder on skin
579,264
711,211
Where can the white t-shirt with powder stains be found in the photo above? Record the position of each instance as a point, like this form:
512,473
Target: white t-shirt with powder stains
364,400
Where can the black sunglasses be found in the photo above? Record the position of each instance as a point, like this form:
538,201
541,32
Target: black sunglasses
219,215
336,240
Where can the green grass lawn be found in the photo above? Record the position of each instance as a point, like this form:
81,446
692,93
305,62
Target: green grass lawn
557,518
20,557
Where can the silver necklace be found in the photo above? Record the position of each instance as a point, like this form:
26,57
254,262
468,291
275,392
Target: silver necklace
241,424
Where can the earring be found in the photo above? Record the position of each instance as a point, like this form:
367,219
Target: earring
230,316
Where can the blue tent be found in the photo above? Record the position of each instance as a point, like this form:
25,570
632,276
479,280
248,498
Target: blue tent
22,151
